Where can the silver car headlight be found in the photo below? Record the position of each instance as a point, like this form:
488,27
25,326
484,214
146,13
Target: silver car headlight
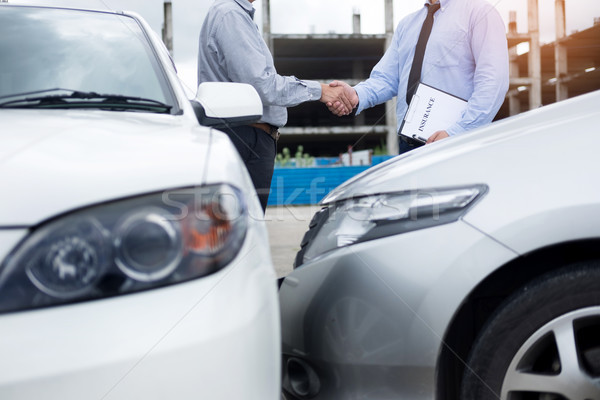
366,218
124,247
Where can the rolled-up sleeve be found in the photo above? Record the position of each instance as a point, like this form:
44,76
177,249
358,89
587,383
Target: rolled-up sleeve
491,77
243,55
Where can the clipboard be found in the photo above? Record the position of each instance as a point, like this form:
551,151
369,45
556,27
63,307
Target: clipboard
430,110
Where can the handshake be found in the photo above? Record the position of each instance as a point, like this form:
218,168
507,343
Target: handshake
339,97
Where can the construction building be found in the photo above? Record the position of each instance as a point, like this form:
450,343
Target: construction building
568,67
325,57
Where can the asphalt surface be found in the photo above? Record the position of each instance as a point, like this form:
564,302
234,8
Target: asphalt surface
286,226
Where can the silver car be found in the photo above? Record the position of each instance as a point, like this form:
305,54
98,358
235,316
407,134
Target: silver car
466,269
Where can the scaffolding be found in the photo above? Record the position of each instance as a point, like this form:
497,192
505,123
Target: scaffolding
552,72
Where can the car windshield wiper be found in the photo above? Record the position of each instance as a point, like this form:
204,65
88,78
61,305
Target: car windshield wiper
78,99
37,92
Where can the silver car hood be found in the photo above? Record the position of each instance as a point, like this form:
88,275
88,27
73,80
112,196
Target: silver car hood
460,160
55,161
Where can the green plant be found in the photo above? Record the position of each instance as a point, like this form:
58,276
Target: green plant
300,159
380,150
303,159
283,159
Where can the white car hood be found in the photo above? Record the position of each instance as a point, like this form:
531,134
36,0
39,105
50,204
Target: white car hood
491,153
52,162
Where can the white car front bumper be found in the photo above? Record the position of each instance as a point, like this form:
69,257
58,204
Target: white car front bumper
216,337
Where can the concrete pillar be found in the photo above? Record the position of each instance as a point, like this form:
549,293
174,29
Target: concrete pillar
535,55
390,106
356,22
266,23
357,64
167,31
358,75
560,52
389,17
514,103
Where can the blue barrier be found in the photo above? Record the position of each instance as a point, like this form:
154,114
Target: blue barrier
322,161
379,159
308,185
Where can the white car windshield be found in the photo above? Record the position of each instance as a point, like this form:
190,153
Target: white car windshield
43,49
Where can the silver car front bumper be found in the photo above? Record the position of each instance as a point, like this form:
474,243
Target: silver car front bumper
368,320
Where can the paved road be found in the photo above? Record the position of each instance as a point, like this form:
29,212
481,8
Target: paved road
286,226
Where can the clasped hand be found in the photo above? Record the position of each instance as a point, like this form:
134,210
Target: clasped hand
339,97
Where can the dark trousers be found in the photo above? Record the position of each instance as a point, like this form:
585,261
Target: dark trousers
404,146
258,151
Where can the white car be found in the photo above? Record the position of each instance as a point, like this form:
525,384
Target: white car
134,259
467,269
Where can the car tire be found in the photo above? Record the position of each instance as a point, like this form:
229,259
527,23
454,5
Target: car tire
543,343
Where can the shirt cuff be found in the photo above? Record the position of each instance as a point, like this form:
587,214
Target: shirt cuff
362,96
455,129
314,90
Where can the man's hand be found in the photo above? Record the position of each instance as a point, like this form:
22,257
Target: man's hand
339,108
439,135
336,95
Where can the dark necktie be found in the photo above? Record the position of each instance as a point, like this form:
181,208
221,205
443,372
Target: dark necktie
415,70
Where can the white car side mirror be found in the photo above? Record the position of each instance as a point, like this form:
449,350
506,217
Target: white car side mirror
220,104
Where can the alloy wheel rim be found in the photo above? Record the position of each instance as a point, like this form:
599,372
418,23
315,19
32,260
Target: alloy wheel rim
559,361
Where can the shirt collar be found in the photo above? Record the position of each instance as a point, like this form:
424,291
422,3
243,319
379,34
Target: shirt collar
443,3
247,6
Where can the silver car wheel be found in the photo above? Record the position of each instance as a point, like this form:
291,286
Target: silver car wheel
556,342
542,343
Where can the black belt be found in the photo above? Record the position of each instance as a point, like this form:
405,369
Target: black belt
269,129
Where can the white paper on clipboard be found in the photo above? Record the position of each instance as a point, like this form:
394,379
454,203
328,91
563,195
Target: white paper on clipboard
430,110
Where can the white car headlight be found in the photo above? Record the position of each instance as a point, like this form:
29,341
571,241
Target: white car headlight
366,218
125,246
